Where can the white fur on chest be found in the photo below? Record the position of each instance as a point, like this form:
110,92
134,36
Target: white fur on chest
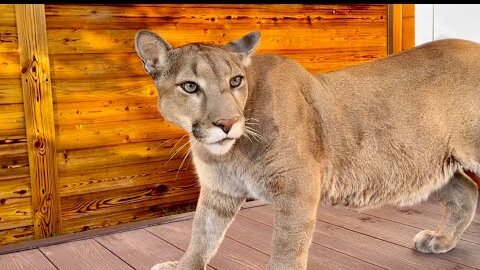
234,181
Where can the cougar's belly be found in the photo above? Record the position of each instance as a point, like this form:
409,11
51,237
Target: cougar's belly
369,189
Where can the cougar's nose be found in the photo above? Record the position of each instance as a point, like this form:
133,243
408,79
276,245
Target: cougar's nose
226,124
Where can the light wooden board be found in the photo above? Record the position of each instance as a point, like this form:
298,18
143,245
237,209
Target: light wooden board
30,259
39,122
84,254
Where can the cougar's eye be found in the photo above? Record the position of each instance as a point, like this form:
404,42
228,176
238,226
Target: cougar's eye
189,87
236,81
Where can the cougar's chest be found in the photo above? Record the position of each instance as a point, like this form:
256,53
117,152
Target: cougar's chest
233,178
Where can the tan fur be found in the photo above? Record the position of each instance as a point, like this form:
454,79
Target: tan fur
391,131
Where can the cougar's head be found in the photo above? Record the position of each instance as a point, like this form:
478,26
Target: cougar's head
202,88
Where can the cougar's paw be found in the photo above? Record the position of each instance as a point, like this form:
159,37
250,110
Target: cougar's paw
165,266
429,242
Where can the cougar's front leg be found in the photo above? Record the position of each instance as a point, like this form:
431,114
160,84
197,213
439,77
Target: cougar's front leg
215,212
295,217
459,197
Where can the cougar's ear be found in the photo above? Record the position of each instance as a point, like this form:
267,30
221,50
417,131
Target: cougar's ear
152,49
244,46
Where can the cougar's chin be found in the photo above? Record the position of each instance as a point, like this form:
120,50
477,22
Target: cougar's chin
221,147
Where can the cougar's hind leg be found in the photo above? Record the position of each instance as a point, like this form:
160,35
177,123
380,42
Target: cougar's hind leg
459,198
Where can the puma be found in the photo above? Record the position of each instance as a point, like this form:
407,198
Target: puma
391,131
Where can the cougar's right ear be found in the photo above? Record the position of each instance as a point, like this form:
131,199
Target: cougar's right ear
152,49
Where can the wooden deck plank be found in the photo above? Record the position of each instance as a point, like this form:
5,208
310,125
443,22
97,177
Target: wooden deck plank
231,254
259,235
414,217
376,251
30,259
139,248
84,254
435,208
466,253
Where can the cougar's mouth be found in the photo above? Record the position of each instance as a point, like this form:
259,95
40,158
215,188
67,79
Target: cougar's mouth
223,141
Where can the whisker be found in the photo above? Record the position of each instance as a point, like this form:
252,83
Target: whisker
177,143
162,144
188,153
246,135
256,133
250,133
176,152
251,118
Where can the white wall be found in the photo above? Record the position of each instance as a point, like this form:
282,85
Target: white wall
439,21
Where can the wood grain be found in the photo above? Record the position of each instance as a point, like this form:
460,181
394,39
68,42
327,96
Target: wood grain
11,91
351,35
30,259
139,248
111,91
9,65
117,200
32,42
408,26
85,254
15,212
127,65
206,12
8,15
8,39
15,188
118,132
396,24
12,117
13,158
77,160
123,176
109,219
15,235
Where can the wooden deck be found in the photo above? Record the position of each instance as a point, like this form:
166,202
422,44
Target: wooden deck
343,239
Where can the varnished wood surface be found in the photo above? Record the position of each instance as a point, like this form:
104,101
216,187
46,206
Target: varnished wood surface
343,239
39,124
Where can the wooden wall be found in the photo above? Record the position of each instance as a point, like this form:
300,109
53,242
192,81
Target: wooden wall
16,219
111,143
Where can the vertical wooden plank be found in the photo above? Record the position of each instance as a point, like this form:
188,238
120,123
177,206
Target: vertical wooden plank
394,28
401,27
39,121
408,26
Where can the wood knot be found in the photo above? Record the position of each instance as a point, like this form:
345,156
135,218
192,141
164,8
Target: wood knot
40,145
162,188
24,70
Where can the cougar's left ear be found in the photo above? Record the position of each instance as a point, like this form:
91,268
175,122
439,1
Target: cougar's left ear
152,49
244,46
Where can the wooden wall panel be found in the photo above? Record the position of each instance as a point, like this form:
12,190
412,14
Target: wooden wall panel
39,120
112,146
16,218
